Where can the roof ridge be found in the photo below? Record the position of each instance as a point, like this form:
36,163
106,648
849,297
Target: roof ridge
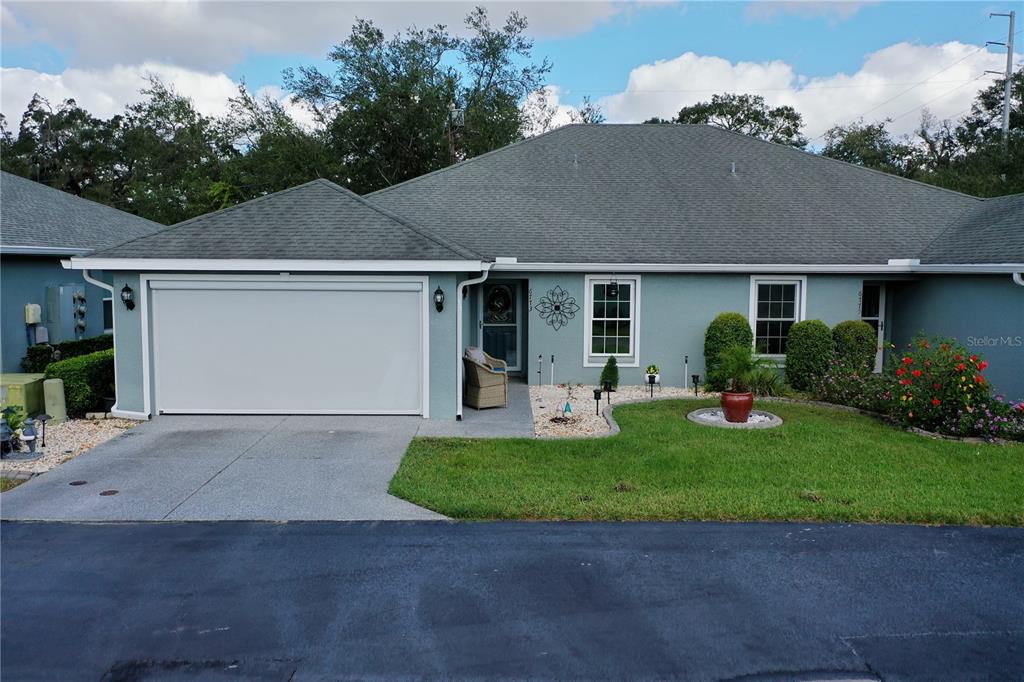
193,219
470,160
424,232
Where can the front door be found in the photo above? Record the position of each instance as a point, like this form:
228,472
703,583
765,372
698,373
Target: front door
872,311
499,322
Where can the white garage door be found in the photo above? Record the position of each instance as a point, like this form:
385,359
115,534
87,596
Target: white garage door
280,347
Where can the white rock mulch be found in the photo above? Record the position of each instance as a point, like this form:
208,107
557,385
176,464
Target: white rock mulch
718,417
65,441
547,403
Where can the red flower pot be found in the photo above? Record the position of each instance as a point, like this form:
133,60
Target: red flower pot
737,406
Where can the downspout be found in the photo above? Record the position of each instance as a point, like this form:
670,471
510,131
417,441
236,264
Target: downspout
87,276
459,370
1018,278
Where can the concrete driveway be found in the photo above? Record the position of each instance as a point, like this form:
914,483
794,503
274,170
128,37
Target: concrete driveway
270,468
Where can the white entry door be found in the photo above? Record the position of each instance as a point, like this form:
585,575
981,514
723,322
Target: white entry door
260,346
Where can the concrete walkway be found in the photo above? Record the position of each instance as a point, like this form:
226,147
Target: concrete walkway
270,468
514,421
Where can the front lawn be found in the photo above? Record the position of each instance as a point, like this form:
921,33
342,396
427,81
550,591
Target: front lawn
10,483
822,464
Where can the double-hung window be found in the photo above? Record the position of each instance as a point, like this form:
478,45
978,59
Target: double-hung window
612,305
776,303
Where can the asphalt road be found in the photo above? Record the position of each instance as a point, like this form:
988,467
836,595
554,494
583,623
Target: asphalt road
298,601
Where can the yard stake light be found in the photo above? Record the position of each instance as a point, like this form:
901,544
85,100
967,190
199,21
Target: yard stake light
686,369
650,381
696,383
552,370
42,419
597,401
540,367
608,391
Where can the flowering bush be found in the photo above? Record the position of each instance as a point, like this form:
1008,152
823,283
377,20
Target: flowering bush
941,387
846,382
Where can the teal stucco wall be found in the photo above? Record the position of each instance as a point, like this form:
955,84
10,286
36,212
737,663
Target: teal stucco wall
23,279
985,313
128,346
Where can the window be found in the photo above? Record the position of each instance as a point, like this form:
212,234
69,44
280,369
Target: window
612,303
775,304
108,315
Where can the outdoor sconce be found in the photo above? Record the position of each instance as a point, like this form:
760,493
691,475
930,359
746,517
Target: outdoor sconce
696,383
128,297
650,381
439,299
613,289
597,401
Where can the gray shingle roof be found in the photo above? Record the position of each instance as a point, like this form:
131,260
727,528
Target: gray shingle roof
991,232
317,220
32,214
666,194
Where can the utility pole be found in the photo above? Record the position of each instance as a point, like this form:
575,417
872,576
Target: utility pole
1012,15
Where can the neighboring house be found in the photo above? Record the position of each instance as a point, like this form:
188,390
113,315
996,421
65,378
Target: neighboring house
582,243
39,226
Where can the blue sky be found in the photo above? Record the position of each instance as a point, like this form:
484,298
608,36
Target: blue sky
636,60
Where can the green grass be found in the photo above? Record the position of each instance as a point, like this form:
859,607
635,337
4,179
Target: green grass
10,483
822,464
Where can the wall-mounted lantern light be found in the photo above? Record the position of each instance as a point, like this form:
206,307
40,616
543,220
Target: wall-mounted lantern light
128,297
439,299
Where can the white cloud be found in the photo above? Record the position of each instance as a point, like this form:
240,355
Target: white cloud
662,88
219,35
832,10
105,92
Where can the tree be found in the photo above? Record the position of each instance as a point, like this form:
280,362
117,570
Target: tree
397,108
587,113
276,151
870,145
747,114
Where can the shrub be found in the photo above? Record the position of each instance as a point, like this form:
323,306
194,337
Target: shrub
728,329
87,380
39,356
941,387
766,381
808,353
856,342
610,372
855,385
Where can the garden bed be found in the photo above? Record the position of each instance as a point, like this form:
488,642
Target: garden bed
821,464
546,403
65,441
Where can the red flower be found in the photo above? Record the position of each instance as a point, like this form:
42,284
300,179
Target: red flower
936,386
974,358
961,367
978,379
900,372
982,365
916,372
936,402
905,382
908,360
958,357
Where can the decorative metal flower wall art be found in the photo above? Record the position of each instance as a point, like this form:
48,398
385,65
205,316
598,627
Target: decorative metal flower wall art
557,307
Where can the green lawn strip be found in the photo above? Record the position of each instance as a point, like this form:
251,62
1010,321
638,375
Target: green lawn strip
10,483
822,464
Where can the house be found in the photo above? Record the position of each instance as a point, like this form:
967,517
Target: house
39,226
585,242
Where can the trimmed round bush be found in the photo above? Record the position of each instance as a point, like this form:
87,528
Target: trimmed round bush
855,343
87,380
610,372
728,329
808,353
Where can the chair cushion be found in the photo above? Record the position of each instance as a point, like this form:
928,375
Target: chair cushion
476,355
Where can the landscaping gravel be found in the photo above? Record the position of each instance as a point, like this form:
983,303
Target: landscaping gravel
547,403
65,441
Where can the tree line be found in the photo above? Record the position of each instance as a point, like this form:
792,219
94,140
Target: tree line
393,108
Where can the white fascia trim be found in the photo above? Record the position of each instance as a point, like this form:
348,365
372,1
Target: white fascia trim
588,322
15,249
271,265
894,268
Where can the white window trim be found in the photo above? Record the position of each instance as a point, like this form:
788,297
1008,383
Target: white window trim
103,313
634,314
801,308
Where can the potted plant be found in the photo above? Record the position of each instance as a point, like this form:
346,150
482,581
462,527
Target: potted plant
738,366
652,370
